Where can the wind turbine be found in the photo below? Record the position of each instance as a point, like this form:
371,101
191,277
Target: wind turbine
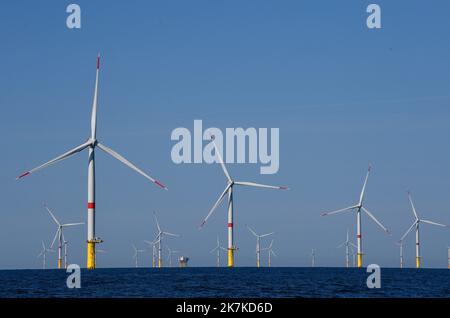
153,245
136,255
400,244
91,144
170,255
313,258
358,208
159,237
258,244
218,248
65,252
43,254
269,252
416,224
229,190
347,245
60,236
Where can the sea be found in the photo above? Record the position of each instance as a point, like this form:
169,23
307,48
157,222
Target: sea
238,282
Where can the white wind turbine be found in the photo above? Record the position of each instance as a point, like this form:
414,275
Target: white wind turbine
269,252
358,208
229,191
218,248
416,224
136,255
91,144
258,244
153,245
60,236
313,258
347,245
159,237
169,256
43,254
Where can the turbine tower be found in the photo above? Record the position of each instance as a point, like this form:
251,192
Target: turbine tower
358,208
269,252
400,245
347,245
313,258
258,244
169,257
43,254
91,144
60,236
153,245
416,225
229,191
159,238
218,248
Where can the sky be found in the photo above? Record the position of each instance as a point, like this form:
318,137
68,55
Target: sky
341,94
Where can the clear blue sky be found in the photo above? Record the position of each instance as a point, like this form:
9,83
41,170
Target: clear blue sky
341,94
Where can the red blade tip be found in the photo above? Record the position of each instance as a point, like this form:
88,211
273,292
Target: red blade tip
23,175
160,185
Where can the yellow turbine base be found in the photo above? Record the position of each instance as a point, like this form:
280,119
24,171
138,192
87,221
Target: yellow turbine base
257,263
417,262
360,263
90,255
159,263
230,257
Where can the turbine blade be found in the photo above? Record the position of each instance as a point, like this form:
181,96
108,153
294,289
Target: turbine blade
157,224
340,245
412,205
273,253
363,190
57,159
171,234
407,232
94,102
250,229
258,185
219,156
214,249
72,224
340,210
51,214
264,235
54,239
434,223
375,220
223,248
216,204
130,165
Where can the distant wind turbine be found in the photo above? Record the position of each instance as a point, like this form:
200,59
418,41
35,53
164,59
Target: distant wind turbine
269,252
347,245
258,244
43,254
136,255
217,249
159,237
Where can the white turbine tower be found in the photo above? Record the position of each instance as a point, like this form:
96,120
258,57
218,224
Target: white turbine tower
269,252
91,144
169,257
136,255
153,245
347,245
217,249
313,258
43,254
229,191
416,224
358,208
159,237
400,245
60,236
258,244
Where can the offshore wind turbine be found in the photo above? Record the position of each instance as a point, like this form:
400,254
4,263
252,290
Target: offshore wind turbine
153,245
60,236
91,144
169,257
159,237
229,191
136,255
269,252
347,245
358,208
416,225
43,254
258,244
313,258
218,248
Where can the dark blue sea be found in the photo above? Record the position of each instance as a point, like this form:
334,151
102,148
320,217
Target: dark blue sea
223,282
